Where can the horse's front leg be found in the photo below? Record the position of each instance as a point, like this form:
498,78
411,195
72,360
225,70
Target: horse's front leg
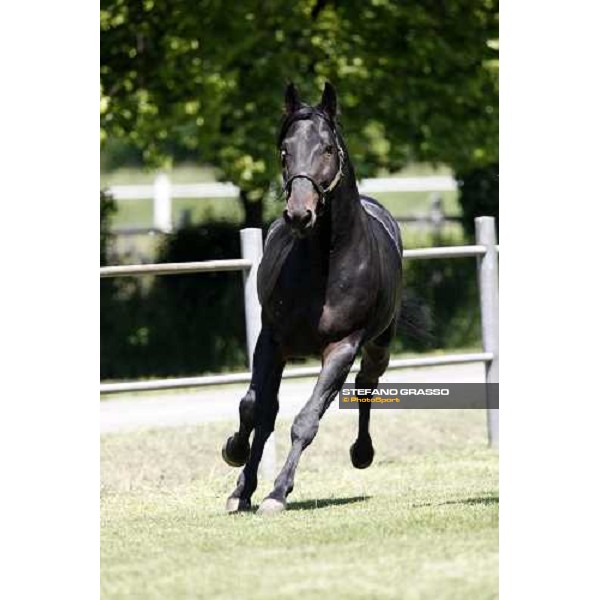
337,361
258,411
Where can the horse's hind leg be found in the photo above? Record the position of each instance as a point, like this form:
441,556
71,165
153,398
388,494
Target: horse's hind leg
258,411
375,359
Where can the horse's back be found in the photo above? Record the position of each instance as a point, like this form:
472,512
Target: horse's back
384,222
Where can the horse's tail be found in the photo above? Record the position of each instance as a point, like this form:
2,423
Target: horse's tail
415,318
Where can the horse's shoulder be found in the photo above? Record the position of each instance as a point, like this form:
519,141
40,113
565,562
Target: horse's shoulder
277,247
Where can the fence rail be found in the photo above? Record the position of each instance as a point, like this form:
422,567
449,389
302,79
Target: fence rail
209,266
293,373
240,264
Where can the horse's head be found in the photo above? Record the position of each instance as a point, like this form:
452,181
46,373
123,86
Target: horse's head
311,157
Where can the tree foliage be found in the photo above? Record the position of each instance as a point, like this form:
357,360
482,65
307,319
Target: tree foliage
417,80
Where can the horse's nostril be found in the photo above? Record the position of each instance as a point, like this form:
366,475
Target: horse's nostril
298,218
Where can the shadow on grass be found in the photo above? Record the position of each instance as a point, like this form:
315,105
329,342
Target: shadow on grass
324,502
485,500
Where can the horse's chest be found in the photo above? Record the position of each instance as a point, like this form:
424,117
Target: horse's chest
307,310
295,305
298,296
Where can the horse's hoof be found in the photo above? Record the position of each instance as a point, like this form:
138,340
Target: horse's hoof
361,456
234,452
270,506
235,505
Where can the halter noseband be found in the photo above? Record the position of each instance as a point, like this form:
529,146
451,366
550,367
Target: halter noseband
307,113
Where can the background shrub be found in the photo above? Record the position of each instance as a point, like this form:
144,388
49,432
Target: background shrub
177,324
478,196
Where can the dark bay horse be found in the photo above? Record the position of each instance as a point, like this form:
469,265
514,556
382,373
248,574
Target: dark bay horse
329,284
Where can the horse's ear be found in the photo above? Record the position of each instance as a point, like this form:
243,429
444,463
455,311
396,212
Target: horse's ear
329,100
292,99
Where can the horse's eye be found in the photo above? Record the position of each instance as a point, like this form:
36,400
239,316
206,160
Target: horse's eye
283,155
329,150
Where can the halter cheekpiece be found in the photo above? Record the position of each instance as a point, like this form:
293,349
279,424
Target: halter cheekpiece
304,113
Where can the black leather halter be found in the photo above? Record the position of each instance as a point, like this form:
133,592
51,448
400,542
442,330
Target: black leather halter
304,113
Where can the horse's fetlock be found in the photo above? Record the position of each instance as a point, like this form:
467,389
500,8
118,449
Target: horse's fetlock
247,407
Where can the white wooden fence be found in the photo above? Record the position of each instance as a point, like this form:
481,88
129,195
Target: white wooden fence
162,192
485,250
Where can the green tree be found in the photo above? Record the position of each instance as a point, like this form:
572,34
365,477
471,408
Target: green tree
417,80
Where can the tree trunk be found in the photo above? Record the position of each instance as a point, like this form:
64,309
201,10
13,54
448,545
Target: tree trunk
253,211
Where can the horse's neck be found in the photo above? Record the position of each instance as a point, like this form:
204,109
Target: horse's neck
347,218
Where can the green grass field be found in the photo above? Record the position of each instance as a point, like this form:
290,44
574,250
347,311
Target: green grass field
422,522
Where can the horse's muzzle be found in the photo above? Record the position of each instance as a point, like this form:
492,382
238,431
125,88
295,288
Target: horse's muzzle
301,210
299,221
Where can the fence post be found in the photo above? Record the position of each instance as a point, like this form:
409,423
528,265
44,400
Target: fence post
252,249
485,235
162,214
436,216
